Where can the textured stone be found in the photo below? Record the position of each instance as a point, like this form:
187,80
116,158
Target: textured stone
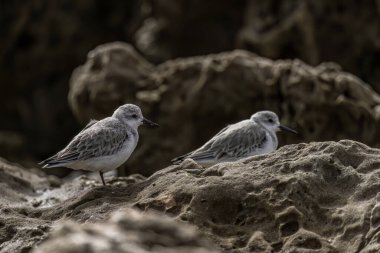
127,231
316,31
112,75
313,31
315,197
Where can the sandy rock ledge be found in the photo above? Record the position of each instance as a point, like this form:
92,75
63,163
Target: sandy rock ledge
316,197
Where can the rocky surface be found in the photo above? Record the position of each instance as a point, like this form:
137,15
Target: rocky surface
316,197
316,31
127,231
193,98
308,197
313,31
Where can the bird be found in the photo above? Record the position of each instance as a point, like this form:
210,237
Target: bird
102,145
253,136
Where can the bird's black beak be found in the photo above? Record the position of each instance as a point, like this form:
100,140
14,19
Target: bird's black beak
284,128
149,123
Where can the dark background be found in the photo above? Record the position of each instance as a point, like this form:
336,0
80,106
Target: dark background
42,42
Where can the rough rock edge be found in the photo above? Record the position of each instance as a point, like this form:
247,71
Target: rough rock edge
317,197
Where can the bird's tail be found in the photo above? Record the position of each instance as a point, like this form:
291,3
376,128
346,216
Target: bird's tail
179,159
60,159
51,165
50,162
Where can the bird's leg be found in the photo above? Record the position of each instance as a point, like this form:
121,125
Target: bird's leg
101,176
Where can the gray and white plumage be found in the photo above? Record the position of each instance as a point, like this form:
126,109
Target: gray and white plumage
254,136
102,145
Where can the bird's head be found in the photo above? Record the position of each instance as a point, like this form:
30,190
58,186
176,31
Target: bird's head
131,114
270,121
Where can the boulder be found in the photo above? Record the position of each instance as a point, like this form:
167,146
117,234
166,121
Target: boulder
127,231
315,32
307,197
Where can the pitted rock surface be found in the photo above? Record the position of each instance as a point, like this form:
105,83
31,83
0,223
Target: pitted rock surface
127,231
307,197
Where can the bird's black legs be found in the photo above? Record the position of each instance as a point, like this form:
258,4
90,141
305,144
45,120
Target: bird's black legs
101,176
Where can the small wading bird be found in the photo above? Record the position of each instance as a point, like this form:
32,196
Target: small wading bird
102,145
254,136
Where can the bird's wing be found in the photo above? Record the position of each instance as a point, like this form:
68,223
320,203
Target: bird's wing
179,159
240,140
89,124
52,158
97,139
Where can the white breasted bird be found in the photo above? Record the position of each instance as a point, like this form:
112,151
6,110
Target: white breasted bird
102,145
254,136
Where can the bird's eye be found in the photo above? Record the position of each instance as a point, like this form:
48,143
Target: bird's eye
270,120
134,116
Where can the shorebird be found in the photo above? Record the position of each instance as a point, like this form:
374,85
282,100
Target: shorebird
102,145
254,136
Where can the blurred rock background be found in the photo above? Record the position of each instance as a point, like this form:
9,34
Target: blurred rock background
44,102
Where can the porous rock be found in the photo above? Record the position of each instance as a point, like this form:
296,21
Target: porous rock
193,98
307,197
117,67
127,231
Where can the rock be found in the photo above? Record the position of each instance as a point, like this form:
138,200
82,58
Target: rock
307,197
127,231
193,98
307,30
21,188
17,183
115,67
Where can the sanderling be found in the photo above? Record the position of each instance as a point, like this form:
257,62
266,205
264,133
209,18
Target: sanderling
254,136
102,145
